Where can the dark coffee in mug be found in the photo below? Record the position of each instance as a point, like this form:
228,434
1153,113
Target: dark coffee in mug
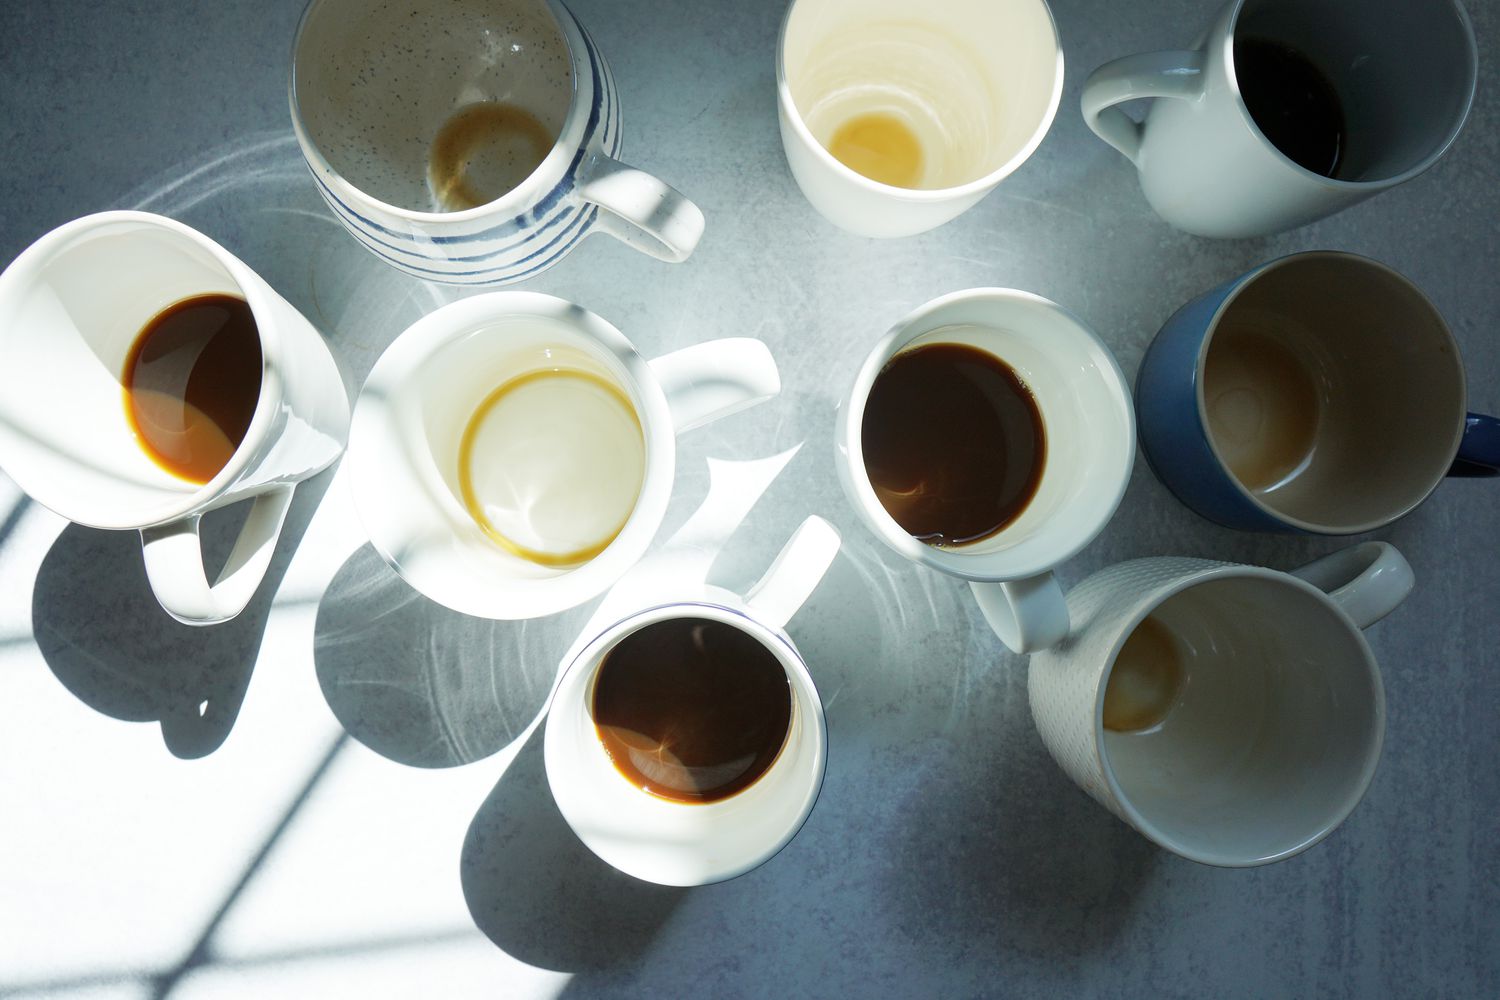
192,381
953,443
1292,103
692,709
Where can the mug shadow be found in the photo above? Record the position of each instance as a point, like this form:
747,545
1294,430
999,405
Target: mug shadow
539,894
101,632
420,684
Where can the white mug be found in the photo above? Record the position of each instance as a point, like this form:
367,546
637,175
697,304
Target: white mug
404,446
372,87
976,84
1272,734
1090,430
684,844
1403,71
71,307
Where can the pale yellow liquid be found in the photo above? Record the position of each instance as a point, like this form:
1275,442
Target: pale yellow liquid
881,147
551,465
1146,680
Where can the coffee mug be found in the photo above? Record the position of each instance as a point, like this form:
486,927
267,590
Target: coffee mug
472,141
603,456
897,118
680,843
1090,447
1231,714
1321,392
72,308
1286,111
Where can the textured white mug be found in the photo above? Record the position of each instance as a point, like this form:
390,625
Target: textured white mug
1272,738
71,307
677,843
976,82
1404,72
1090,430
404,446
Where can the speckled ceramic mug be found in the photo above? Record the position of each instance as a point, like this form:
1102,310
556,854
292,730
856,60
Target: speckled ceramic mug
1271,733
472,142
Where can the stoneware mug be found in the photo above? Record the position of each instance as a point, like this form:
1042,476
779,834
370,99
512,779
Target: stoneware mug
1090,433
1321,392
411,415
1394,81
972,88
1269,732
684,844
472,141
71,307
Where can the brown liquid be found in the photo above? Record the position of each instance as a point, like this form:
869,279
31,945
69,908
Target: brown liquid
1263,408
192,380
1292,103
483,151
691,709
953,443
1146,680
881,147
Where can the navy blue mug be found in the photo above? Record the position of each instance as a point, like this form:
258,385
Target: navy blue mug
1321,393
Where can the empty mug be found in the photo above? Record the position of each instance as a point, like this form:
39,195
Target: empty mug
651,835
1286,111
897,118
1321,392
73,309
472,141
1085,415
1231,714
512,454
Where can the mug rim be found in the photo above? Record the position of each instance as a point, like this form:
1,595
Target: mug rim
978,186
1243,284
375,434
806,699
956,561
1142,609
1226,46
547,174
257,296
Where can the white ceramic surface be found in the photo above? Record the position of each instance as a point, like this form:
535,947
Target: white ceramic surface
372,85
71,307
1404,70
1275,736
1090,432
419,397
977,82
675,843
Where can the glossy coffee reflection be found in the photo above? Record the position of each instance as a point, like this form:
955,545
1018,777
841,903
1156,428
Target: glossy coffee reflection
192,380
691,709
953,443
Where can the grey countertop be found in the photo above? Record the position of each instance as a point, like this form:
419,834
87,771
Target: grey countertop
185,812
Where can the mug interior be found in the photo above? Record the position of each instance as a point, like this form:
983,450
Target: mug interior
1274,733
974,83
673,842
374,84
71,308
1332,392
1087,421
1403,71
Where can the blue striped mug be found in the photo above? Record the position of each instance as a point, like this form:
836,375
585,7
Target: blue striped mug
472,142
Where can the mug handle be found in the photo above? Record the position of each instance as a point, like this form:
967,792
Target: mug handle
1479,451
714,379
1027,615
174,562
1151,74
1367,581
640,209
795,573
